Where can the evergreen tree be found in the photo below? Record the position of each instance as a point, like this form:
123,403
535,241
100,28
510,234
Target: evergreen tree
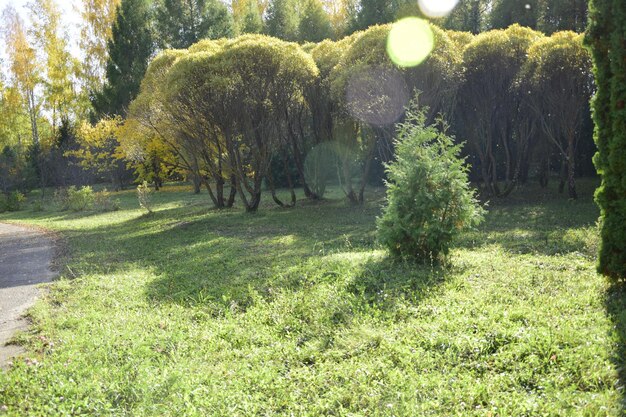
504,13
605,37
282,20
469,16
314,23
430,201
129,50
181,23
558,15
373,12
251,20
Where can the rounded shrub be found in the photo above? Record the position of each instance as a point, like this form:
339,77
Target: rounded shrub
80,199
12,201
429,199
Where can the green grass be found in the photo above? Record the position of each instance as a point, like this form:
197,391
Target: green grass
190,311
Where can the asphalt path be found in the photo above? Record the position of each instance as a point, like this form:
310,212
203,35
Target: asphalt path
25,261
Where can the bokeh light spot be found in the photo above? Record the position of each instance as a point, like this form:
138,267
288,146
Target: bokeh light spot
437,8
320,165
410,41
377,95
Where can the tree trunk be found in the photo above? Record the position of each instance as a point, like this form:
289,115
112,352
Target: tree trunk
270,182
196,176
298,161
563,175
33,116
366,170
571,170
347,176
289,180
544,172
115,183
233,191
253,205
207,185
219,191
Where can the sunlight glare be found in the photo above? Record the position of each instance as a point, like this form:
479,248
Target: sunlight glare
410,41
437,8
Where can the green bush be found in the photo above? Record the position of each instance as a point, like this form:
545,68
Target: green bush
12,201
80,199
104,201
38,206
144,195
60,199
429,199
605,38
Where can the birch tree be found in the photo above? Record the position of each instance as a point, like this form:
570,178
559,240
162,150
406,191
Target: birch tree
23,65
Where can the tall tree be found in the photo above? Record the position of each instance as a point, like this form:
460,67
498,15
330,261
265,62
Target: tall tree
558,72
470,16
236,108
282,20
59,92
314,22
558,15
338,13
14,125
372,12
504,13
491,62
97,17
23,65
148,135
239,6
99,150
605,37
248,17
129,49
181,23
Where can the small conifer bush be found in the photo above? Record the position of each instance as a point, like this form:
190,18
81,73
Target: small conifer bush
429,199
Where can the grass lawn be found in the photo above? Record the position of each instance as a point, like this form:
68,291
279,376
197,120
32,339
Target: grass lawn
191,311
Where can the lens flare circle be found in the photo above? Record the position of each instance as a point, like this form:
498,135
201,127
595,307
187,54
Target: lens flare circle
410,41
377,95
437,8
320,165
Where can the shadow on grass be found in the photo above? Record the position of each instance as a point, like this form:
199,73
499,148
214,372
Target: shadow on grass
385,281
615,303
545,228
200,255
221,258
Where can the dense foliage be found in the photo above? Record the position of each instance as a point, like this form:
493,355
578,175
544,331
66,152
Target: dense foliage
235,115
429,199
605,37
558,95
215,114
181,23
129,51
490,111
